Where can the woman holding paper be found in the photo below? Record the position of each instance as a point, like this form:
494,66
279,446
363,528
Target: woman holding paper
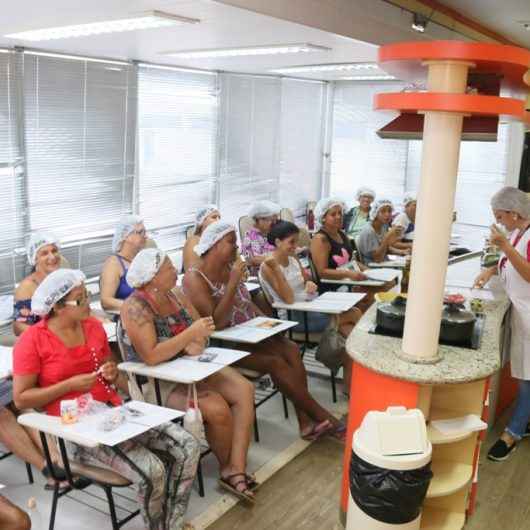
160,324
511,209
66,355
283,278
216,289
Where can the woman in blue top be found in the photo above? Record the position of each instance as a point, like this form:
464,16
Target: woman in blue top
129,239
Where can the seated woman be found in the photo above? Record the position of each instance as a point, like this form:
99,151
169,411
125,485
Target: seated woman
283,278
161,324
66,355
215,287
204,217
331,250
358,216
129,238
255,247
42,251
377,239
406,220
12,517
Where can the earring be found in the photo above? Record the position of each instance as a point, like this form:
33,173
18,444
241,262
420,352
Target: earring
514,217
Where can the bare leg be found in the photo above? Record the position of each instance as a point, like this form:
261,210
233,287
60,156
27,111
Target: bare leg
217,419
12,517
347,365
239,394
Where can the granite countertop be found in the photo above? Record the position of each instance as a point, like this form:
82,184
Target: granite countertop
457,365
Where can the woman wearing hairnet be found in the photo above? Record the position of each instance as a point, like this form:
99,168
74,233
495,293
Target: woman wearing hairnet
358,216
377,238
406,220
66,355
255,247
216,289
331,250
205,216
129,238
511,209
42,251
160,324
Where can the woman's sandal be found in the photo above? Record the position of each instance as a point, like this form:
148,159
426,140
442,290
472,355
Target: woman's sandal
339,432
225,483
317,431
252,483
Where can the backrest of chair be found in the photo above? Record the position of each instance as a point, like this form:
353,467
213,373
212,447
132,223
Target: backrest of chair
266,295
134,389
245,224
313,269
286,214
304,238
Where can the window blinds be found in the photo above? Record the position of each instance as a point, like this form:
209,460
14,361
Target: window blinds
80,137
177,121
249,142
302,122
359,157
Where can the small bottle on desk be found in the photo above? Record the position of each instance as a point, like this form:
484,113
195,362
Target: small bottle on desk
405,278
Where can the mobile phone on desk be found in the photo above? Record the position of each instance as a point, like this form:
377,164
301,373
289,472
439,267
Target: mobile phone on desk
207,357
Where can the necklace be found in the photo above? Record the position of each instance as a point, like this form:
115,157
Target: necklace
97,365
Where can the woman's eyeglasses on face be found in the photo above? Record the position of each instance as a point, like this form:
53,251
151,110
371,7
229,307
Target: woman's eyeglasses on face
84,300
142,232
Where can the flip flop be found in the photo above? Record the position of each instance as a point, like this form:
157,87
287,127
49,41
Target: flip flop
339,432
225,483
318,430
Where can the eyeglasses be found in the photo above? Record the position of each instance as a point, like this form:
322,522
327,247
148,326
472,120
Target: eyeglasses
142,232
80,302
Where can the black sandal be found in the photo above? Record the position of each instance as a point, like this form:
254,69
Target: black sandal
57,471
225,483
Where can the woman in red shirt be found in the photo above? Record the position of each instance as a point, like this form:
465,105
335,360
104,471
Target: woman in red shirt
66,355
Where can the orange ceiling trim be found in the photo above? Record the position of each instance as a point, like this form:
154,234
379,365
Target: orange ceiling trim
450,12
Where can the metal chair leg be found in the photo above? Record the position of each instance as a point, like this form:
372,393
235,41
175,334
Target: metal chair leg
200,479
256,428
285,407
54,505
30,473
112,508
333,387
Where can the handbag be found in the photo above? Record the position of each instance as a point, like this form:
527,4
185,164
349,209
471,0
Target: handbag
330,348
192,421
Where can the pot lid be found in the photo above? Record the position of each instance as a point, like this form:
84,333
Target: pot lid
456,313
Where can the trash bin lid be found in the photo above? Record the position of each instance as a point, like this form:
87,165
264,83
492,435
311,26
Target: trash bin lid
393,439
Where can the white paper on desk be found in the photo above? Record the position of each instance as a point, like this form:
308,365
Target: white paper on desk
184,370
338,296
383,275
110,329
6,361
471,422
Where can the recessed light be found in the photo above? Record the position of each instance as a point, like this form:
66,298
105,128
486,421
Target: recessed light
341,67
274,49
368,78
151,19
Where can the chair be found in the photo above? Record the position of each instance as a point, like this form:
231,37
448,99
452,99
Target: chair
29,471
305,339
286,214
245,223
135,383
304,237
88,475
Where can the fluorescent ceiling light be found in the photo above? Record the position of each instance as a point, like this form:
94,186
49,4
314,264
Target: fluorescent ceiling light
341,67
247,50
74,57
368,78
176,68
3,50
151,19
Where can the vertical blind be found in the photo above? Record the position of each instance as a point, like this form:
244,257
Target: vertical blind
177,123
359,157
249,142
80,134
302,122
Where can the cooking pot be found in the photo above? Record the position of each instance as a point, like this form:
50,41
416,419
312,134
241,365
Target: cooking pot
457,324
391,315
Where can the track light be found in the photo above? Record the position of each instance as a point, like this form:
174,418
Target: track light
419,22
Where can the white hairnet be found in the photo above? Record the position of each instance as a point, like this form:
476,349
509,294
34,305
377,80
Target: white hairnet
203,213
376,207
124,227
144,266
264,208
36,241
512,200
324,205
407,199
211,235
53,288
365,192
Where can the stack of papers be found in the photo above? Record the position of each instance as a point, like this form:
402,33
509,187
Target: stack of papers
469,423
